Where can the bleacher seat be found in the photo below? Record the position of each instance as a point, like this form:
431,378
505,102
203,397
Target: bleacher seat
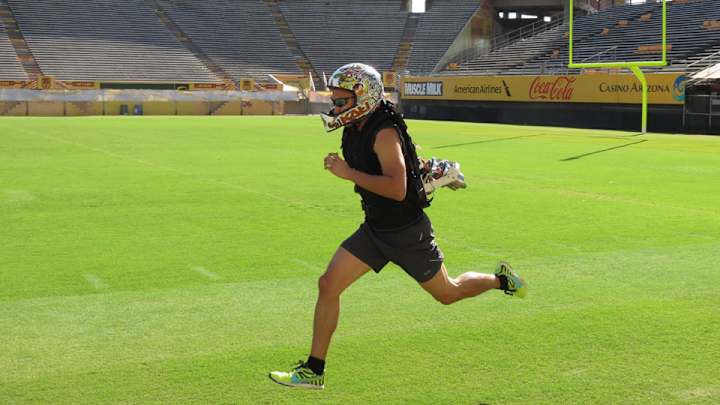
110,40
105,40
239,36
10,67
437,29
631,40
332,33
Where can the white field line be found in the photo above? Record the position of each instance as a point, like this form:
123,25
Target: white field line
467,246
96,281
307,265
18,195
172,169
207,273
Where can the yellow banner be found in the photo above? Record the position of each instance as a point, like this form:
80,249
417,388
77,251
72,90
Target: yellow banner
45,82
594,88
389,79
16,84
210,86
79,85
247,84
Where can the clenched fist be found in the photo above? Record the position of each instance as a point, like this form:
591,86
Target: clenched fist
337,166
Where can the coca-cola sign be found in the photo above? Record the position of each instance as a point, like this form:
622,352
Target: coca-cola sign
553,88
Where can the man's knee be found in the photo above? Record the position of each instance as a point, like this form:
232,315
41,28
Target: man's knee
326,286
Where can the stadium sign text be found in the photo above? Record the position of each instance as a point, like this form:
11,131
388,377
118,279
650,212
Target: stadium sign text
587,88
560,88
424,89
486,89
634,87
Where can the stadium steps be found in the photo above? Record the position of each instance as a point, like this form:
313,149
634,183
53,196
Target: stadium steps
221,107
405,47
515,54
10,66
333,33
506,40
107,41
187,42
17,39
290,40
240,36
588,40
690,65
694,63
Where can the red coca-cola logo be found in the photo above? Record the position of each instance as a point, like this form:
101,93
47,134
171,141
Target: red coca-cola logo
560,88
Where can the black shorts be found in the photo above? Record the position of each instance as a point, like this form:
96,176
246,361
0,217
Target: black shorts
413,248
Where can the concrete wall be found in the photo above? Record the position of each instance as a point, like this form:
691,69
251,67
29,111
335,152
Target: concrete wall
82,108
626,117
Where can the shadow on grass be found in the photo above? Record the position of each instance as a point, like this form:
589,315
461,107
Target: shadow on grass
485,141
601,151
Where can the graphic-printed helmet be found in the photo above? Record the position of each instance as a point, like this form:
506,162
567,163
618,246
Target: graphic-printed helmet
366,84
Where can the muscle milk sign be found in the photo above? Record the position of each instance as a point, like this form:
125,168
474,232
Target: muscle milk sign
424,89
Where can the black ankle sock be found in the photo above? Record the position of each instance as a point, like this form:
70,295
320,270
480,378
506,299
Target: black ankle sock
503,282
316,365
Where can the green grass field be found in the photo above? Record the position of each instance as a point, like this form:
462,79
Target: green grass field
175,260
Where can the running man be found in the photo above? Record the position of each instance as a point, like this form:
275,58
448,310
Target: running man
375,148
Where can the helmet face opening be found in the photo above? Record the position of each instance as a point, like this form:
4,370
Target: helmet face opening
366,85
340,102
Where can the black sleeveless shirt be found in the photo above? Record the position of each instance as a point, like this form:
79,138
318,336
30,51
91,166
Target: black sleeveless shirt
381,213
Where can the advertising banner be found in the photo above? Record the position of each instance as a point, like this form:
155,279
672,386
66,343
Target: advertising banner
594,88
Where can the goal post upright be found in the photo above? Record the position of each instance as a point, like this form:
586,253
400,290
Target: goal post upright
632,66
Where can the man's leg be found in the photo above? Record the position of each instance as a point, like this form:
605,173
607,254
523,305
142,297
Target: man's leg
448,290
343,270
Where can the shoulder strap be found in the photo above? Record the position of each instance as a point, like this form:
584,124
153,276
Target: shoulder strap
412,163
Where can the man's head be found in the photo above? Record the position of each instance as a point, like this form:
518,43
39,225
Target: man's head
342,100
357,90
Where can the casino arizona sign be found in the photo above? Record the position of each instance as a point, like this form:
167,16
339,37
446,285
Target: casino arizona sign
560,88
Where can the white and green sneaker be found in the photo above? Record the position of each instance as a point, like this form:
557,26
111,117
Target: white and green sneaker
300,376
516,285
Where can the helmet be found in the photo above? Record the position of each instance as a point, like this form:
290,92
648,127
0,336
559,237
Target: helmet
365,83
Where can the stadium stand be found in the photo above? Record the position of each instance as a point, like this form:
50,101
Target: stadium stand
705,54
406,43
10,67
165,20
534,55
332,33
685,34
222,40
603,37
515,54
241,37
290,40
438,27
105,40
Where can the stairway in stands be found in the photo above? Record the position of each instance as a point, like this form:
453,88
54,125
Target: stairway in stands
25,56
291,42
405,45
187,42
